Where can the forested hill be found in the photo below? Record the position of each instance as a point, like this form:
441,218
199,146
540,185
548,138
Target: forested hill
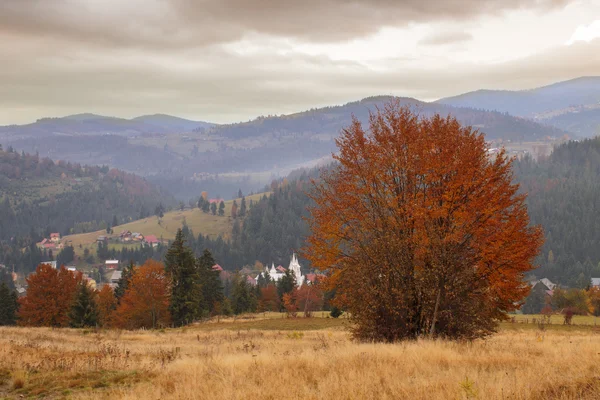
564,197
39,196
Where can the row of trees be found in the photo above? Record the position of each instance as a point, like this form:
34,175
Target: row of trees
183,290
567,301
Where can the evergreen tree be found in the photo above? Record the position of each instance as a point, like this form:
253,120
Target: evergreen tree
8,305
242,212
286,284
536,300
242,296
186,296
234,210
123,283
66,256
115,221
84,311
240,194
212,288
213,208
206,206
221,208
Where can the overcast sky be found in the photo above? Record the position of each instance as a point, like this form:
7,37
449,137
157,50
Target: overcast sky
232,60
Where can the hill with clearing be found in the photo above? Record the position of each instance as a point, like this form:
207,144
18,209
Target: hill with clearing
38,196
166,228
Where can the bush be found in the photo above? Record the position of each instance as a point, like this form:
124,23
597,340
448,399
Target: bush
336,312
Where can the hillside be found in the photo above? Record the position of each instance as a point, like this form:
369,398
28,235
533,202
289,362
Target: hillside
224,158
197,221
564,197
38,195
528,103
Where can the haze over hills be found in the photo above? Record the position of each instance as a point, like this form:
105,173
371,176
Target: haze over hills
571,105
176,152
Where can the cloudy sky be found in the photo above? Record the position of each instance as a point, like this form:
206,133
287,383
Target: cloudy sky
232,60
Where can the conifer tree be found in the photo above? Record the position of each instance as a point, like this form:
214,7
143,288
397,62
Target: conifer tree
123,284
213,208
186,292
212,288
84,311
242,212
286,284
242,297
221,208
234,210
8,305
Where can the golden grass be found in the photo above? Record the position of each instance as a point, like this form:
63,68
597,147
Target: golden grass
198,221
230,360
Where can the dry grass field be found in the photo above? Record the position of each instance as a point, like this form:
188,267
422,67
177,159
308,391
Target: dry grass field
277,358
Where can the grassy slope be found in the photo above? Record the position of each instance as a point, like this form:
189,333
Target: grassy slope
198,221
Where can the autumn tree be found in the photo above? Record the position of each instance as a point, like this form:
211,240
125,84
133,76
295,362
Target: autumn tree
84,310
186,296
146,301
107,304
50,293
290,304
269,299
422,232
309,298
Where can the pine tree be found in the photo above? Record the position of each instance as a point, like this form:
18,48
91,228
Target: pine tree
213,208
206,206
221,208
242,212
212,288
123,284
84,311
242,298
8,305
286,284
186,291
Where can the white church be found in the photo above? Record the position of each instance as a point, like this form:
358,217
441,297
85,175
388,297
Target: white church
276,274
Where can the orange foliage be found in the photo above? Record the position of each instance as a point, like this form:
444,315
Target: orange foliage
145,304
290,304
269,299
309,298
107,303
50,294
420,230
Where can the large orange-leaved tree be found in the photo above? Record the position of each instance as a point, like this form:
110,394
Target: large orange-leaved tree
145,303
50,294
422,232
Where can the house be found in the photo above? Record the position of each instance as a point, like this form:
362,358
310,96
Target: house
55,237
275,274
102,239
116,277
595,282
217,267
111,264
544,281
137,237
50,263
151,240
218,201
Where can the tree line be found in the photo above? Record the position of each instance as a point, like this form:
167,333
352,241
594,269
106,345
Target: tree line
181,290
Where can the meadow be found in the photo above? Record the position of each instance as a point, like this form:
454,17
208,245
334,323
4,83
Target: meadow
196,220
271,357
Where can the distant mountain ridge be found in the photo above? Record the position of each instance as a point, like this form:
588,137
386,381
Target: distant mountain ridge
93,124
528,103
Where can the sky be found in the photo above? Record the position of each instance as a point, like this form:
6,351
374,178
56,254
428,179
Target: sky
233,60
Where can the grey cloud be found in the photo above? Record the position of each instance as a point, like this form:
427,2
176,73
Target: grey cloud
446,38
226,87
194,23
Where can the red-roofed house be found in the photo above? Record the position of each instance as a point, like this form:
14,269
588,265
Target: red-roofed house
251,280
151,240
55,237
215,201
280,269
217,267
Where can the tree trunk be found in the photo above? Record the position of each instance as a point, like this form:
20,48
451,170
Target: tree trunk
435,312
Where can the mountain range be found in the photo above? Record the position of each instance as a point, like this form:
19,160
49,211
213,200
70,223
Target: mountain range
184,155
